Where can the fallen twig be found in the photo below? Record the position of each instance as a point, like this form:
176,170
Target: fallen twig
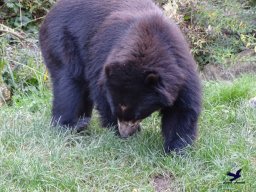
5,29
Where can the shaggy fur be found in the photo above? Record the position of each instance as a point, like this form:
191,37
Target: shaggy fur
125,58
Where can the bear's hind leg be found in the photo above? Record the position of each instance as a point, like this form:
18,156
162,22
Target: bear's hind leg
85,108
68,103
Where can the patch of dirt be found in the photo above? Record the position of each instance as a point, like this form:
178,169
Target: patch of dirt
164,183
245,64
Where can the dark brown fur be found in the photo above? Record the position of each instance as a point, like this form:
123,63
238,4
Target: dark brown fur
126,58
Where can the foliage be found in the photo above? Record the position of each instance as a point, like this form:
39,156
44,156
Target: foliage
2,63
248,2
161,2
217,30
22,68
24,14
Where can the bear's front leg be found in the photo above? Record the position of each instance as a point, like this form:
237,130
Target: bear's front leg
72,106
179,128
179,122
107,118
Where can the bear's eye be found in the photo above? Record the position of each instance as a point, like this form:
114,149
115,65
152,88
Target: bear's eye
152,79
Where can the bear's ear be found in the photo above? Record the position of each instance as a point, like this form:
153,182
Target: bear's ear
111,68
108,70
152,78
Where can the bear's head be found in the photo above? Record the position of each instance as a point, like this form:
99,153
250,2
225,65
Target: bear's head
143,74
134,92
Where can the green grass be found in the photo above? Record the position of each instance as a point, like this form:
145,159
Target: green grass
36,157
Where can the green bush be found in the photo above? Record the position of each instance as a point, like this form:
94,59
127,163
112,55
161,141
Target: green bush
24,14
217,30
21,67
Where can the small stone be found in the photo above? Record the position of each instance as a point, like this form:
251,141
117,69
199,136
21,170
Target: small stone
252,102
5,94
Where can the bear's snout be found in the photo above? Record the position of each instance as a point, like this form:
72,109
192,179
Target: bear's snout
128,128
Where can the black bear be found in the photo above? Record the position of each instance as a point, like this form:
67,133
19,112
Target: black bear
126,59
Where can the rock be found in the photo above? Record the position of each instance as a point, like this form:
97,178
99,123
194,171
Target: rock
244,64
252,102
5,94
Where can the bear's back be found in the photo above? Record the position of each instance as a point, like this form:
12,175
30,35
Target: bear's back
82,18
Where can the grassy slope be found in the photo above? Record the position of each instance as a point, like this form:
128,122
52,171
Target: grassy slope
35,157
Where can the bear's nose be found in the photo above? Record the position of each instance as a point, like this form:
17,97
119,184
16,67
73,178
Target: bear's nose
127,128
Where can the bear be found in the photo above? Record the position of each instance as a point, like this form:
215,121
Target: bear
126,59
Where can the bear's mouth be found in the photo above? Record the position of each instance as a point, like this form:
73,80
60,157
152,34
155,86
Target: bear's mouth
128,128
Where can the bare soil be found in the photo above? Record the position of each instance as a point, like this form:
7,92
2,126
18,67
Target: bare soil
245,63
164,183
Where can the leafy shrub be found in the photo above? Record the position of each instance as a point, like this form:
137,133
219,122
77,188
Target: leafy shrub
21,65
161,2
24,14
217,30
